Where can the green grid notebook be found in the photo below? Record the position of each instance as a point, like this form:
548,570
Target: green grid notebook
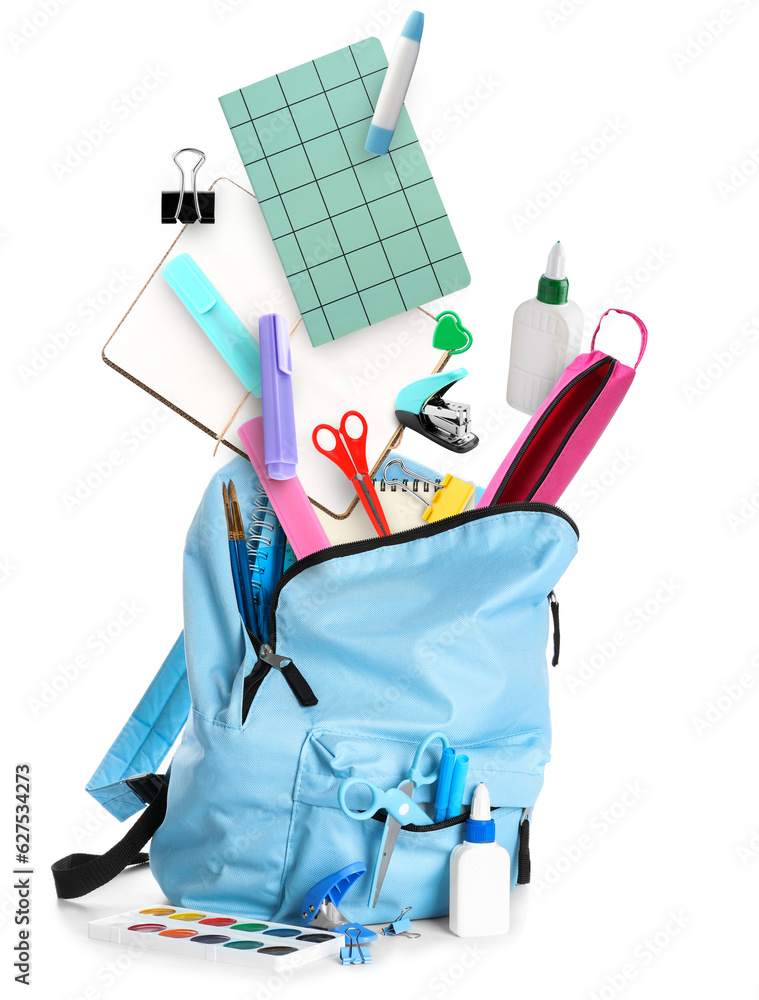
360,237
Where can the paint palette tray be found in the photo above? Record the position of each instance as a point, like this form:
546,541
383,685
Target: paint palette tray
218,937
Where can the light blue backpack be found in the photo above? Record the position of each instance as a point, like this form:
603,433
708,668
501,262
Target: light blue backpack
377,643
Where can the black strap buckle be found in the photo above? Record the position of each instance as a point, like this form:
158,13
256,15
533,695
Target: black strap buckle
146,786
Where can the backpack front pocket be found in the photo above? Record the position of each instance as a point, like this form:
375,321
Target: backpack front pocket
322,839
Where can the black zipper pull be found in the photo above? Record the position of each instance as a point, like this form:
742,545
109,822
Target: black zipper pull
525,868
556,632
297,682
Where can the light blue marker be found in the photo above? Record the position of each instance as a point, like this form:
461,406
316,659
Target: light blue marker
394,86
226,331
456,798
444,784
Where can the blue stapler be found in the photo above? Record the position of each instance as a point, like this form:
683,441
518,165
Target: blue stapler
421,407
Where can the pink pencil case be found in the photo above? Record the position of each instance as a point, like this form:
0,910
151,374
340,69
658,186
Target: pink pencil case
563,432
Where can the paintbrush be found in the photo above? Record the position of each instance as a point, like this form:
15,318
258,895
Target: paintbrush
238,536
232,549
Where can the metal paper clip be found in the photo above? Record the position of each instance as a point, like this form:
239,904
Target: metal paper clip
451,495
183,206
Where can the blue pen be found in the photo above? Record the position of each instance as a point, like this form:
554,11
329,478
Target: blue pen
444,784
456,798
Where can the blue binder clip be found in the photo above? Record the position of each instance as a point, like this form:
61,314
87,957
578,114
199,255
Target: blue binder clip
356,951
401,926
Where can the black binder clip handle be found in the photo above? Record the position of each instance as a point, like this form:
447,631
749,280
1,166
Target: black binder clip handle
185,206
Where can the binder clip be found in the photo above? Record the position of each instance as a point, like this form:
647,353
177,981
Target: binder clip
356,948
188,206
421,407
450,497
401,927
320,906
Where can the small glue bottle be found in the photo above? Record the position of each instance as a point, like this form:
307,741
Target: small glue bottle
545,337
480,875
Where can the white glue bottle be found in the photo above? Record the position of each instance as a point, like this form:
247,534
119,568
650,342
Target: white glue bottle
480,875
546,336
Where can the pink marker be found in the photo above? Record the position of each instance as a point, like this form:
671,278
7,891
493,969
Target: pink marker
288,498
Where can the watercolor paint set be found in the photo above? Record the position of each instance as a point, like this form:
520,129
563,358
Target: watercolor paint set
218,937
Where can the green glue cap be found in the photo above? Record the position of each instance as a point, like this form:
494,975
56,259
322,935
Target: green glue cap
553,287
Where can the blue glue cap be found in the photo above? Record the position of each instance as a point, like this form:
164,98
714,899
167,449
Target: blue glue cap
480,828
221,325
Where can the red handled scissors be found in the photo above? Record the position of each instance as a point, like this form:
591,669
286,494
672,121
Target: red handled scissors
349,455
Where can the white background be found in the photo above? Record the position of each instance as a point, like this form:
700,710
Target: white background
507,96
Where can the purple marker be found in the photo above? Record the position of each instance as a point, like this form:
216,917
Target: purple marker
280,445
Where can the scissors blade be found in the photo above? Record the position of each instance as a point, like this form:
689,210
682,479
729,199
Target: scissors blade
371,503
387,845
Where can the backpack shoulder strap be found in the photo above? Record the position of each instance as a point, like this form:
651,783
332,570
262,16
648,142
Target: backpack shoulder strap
144,741
78,874
124,781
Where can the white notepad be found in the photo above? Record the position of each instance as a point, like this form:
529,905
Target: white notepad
159,346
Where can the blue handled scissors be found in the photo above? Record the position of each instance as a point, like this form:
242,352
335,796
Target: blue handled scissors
398,803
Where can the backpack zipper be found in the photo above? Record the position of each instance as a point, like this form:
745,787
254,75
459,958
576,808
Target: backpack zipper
297,682
608,360
398,537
